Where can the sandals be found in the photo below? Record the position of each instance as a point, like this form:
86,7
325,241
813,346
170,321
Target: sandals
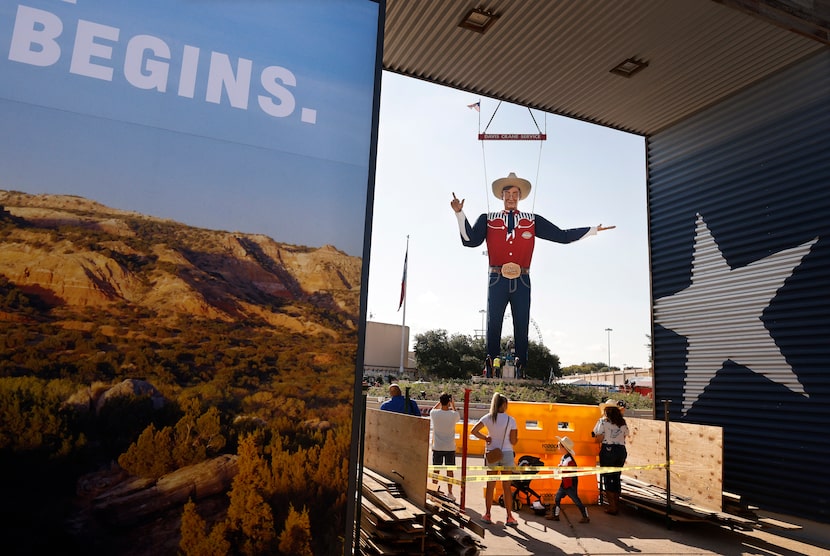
509,523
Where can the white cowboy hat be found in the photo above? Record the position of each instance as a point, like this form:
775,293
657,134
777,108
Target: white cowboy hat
567,443
510,181
619,404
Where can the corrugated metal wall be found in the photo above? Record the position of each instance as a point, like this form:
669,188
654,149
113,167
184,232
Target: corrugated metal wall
739,222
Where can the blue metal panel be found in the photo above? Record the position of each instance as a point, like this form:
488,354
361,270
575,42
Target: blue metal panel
739,222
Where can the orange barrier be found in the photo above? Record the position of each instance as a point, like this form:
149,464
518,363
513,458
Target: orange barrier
539,424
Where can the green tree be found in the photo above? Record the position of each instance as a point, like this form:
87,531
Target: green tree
471,354
541,362
583,368
460,356
434,354
445,356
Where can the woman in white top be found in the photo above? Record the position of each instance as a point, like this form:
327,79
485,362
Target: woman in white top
611,431
502,433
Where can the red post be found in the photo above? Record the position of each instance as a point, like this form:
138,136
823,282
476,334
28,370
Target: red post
464,439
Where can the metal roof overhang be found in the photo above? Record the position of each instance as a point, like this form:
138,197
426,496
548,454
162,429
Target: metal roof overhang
557,55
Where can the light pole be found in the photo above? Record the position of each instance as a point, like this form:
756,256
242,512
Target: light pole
483,330
608,330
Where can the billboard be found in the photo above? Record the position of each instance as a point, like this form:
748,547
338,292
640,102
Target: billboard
184,196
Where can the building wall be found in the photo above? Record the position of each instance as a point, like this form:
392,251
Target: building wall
382,353
739,217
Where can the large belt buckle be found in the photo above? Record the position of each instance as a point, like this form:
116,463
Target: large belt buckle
511,270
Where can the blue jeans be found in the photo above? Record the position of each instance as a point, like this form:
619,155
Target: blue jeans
500,292
571,492
612,455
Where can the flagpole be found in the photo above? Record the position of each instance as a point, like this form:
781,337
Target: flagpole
403,321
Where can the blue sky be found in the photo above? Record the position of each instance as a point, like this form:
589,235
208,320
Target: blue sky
583,175
205,163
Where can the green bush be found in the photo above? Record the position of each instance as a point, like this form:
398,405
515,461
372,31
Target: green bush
524,391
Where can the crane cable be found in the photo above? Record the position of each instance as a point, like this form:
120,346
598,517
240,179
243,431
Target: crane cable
483,136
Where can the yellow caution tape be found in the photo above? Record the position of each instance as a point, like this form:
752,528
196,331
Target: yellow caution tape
523,475
445,479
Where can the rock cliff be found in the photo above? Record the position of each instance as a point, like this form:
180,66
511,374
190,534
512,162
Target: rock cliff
74,253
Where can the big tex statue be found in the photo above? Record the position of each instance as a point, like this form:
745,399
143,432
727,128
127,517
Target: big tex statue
511,235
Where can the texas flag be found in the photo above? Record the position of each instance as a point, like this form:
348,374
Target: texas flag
475,106
403,279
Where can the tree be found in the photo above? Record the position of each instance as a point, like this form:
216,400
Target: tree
541,362
471,354
30,418
190,441
250,518
583,368
461,356
295,540
197,436
195,540
151,455
437,356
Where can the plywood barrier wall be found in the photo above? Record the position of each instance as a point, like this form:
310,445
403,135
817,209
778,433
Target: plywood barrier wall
397,446
696,453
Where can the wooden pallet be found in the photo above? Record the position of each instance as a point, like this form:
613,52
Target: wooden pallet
653,498
450,512
389,523
392,525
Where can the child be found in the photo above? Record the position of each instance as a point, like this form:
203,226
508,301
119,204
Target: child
569,484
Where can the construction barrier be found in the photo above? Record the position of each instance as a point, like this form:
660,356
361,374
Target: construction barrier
538,426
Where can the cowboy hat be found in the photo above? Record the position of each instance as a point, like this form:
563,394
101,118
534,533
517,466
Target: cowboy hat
511,181
567,443
619,404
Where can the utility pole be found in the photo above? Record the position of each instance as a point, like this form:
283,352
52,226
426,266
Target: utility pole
608,330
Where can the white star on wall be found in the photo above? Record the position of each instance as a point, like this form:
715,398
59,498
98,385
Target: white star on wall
720,314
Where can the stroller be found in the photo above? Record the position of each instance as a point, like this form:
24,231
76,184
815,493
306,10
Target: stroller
522,492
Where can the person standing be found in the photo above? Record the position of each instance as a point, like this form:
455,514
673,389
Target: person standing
611,431
569,485
511,235
399,404
497,367
444,416
502,434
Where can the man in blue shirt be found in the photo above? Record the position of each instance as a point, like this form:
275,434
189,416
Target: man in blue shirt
398,402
